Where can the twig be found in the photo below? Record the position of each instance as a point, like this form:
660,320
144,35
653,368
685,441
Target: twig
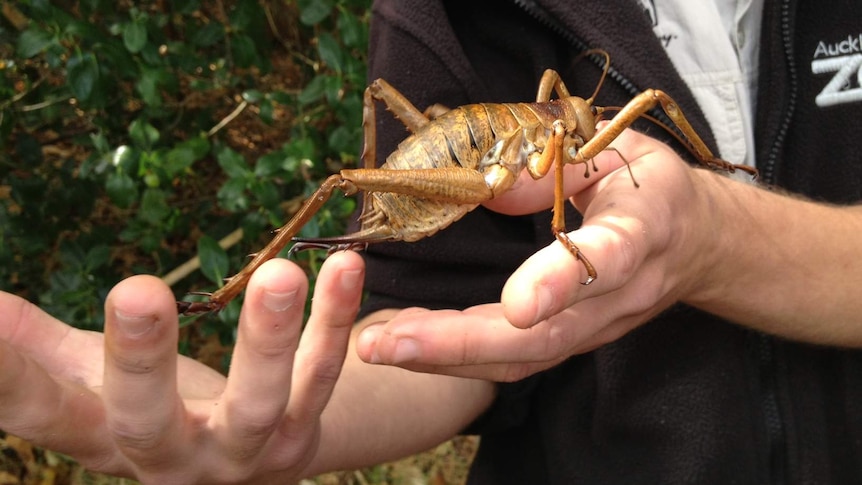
227,119
360,477
22,94
14,16
193,264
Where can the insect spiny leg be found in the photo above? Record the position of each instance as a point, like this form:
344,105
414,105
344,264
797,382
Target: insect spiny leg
576,252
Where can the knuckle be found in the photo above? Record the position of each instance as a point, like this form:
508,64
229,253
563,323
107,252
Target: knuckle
135,362
625,251
130,435
325,372
276,342
255,424
273,349
628,256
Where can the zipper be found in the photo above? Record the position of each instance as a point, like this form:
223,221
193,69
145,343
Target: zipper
775,433
768,170
768,365
539,13
768,361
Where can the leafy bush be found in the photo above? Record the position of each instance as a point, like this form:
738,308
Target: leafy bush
134,135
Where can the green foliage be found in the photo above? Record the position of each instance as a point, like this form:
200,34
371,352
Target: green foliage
134,136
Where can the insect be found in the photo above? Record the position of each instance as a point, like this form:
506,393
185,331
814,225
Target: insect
457,159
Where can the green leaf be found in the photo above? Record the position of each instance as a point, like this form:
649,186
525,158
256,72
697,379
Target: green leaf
252,95
300,148
32,42
330,52
214,260
208,35
244,51
121,189
152,180
232,163
97,257
281,97
244,15
135,35
82,72
314,90
333,88
143,134
178,159
100,142
269,164
344,140
232,195
200,146
266,194
184,154
314,11
154,206
185,6
267,111
151,84
148,86
352,30
124,157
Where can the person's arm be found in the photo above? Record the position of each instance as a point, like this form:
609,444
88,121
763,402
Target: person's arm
772,261
782,264
767,260
381,413
126,404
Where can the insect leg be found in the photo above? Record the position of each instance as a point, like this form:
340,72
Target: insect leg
400,107
639,106
235,284
554,151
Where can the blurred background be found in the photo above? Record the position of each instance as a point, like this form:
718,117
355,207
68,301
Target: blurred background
171,138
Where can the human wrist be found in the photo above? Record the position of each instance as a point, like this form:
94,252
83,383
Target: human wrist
710,237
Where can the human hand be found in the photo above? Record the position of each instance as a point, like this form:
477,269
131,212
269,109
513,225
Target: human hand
648,244
124,403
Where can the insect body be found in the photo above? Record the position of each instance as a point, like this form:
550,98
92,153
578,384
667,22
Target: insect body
465,156
450,165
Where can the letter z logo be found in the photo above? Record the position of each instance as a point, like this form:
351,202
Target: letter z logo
846,84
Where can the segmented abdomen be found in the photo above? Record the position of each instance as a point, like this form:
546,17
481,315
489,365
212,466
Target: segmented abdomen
458,138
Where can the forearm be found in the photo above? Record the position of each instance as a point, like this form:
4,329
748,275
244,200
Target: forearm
781,264
379,413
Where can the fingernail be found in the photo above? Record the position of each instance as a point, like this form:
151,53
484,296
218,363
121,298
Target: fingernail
351,279
134,325
406,350
368,339
275,301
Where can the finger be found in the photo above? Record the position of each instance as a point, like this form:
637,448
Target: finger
259,382
53,344
623,226
480,335
479,343
337,295
529,196
511,370
61,416
645,157
551,280
143,410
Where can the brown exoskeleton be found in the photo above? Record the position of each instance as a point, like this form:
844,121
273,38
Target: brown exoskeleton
461,158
